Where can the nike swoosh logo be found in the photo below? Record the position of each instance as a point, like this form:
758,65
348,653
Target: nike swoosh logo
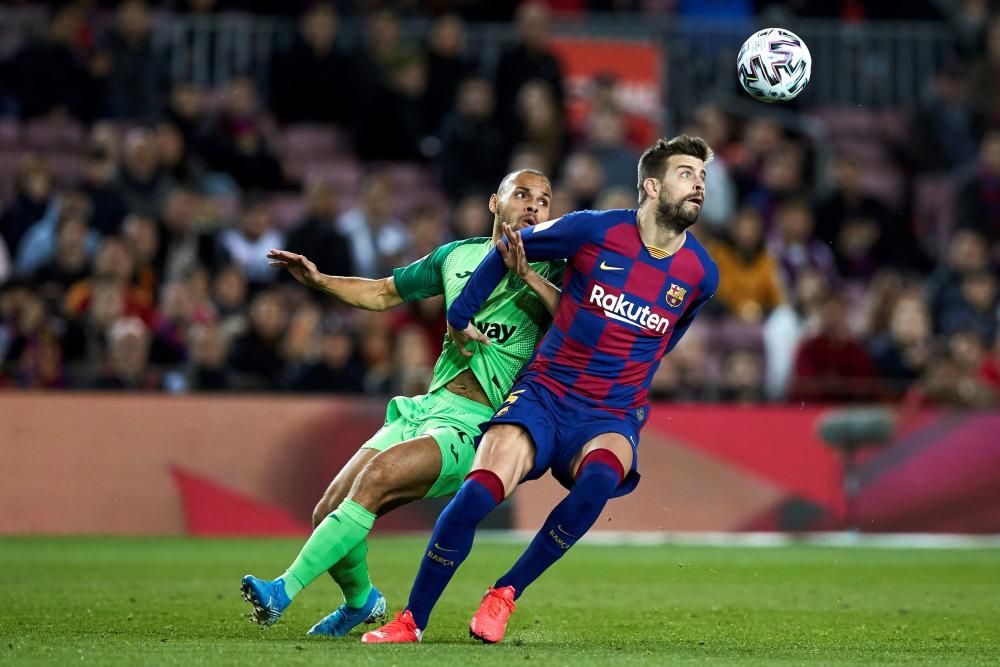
564,532
604,265
464,274
441,548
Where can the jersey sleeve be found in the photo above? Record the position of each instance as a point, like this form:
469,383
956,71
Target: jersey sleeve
422,278
555,239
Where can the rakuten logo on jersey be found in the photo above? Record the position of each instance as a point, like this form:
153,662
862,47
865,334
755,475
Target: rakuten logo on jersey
617,307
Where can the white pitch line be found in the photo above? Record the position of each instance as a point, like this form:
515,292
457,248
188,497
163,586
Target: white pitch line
720,539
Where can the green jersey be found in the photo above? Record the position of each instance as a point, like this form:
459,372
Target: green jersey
513,318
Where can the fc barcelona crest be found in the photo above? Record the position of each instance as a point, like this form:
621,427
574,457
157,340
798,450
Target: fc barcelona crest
675,295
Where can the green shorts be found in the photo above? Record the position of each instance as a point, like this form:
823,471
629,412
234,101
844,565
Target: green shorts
453,422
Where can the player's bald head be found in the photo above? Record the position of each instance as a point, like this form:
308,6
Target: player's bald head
525,177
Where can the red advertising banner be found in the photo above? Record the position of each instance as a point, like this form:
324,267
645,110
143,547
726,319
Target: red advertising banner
255,465
637,69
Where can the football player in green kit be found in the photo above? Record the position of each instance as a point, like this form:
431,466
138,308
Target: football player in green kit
426,447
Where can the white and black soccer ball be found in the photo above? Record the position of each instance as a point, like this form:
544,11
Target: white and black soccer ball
774,65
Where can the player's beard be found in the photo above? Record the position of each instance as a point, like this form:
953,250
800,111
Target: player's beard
674,216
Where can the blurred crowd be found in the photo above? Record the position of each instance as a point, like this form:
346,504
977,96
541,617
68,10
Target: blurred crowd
137,212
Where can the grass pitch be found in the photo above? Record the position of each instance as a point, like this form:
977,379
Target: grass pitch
176,601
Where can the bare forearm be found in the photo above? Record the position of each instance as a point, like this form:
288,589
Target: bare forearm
363,293
546,291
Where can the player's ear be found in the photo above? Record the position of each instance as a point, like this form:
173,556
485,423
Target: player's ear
652,187
493,203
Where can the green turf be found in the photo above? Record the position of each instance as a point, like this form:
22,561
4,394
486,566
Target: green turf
171,601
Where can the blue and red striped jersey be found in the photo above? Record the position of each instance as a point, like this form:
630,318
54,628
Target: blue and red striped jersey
622,308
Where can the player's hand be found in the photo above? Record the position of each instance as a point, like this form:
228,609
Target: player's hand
462,338
514,257
299,266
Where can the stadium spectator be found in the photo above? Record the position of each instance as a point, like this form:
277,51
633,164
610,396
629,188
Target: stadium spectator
317,235
582,180
985,73
794,246
255,356
177,159
171,326
787,326
142,236
978,199
186,110
859,227
381,54
611,198
976,308
32,198
100,167
967,253
308,82
527,60
447,66
140,183
33,354
247,244
832,365
71,261
235,143
378,238
688,373
742,378
207,369
947,127
126,67
470,218
229,297
749,281
377,352
338,368
474,150
539,122
49,77
428,230
902,353
39,242
127,358
607,142
396,125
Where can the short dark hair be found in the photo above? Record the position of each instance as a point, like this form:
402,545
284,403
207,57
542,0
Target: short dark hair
653,162
509,178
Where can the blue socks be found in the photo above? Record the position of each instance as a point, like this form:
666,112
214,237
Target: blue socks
598,477
451,540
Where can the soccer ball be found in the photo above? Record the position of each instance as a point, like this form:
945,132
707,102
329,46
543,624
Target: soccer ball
774,65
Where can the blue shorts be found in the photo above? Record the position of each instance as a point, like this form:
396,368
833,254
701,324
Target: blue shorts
560,427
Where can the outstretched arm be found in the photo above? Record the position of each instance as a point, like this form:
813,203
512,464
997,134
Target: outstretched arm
380,294
515,259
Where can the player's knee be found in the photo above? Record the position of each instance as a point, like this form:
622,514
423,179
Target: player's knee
375,485
320,512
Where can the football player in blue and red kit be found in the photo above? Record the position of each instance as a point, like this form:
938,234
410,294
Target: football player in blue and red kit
634,282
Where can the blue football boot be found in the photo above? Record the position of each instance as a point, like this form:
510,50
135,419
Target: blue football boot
268,598
344,618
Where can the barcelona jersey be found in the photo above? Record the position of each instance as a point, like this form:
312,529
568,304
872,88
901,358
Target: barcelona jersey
623,306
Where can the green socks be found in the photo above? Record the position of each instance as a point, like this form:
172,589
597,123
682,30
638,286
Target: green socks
351,574
338,535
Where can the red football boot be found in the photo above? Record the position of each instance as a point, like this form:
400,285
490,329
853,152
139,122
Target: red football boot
400,630
489,623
